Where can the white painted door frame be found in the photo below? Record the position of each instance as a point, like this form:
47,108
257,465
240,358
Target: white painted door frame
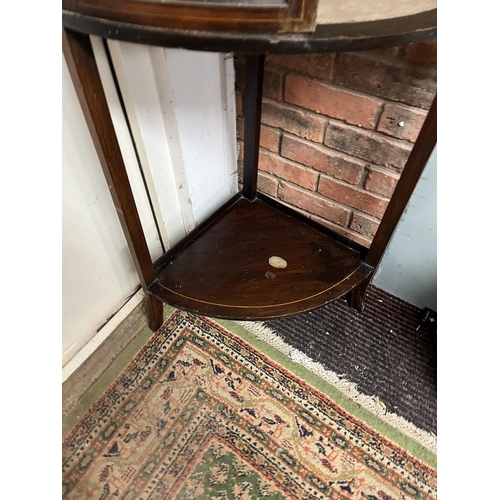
181,108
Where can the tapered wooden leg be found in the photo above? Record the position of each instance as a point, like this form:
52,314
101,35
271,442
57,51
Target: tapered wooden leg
155,312
357,296
414,167
85,75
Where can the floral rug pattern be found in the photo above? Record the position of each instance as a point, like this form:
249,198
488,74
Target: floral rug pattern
202,414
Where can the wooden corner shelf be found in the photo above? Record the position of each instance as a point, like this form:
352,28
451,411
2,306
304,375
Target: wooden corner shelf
223,269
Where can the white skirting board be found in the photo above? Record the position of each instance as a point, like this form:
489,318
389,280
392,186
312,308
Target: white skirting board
90,347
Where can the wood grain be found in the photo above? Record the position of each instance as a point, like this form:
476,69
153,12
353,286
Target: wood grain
225,270
326,38
289,16
82,66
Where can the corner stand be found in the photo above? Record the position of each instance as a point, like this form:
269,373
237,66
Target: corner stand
222,268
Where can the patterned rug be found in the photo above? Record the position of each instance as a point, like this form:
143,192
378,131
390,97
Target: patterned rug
207,410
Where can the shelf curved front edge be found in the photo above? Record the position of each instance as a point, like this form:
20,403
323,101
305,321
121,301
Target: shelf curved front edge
352,36
228,269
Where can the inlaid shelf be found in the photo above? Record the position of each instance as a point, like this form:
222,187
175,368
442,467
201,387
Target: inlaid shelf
224,270
223,267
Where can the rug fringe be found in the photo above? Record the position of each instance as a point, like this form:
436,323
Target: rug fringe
349,389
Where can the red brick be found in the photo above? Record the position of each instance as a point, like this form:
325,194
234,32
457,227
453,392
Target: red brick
422,52
391,52
344,231
275,165
347,195
354,236
408,83
240,128
313,203
295,121
367,145
316,65
267,184
364,225
273,81
401,121
239,103
273,85
381,182
323,159
331,101
270,138
349,233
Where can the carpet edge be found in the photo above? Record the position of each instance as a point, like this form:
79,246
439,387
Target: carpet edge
422,443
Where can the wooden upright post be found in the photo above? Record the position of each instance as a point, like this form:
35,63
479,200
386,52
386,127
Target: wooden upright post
84,73
414,167
252,106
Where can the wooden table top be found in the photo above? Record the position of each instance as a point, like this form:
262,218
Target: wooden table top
257,26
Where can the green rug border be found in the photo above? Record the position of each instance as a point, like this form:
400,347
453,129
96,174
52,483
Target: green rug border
355,409
98,388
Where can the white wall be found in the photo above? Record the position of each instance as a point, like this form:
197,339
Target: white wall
181,109
98,272
207,130
409,267
181,106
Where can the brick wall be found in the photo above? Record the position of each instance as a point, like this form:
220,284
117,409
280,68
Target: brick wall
337,130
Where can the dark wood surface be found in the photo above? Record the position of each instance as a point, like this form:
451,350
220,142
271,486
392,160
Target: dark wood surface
287,15
225,272
236,281
414,167
289,210
82,66
326,38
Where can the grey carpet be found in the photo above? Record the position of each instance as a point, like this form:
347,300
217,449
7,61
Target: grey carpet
384,350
